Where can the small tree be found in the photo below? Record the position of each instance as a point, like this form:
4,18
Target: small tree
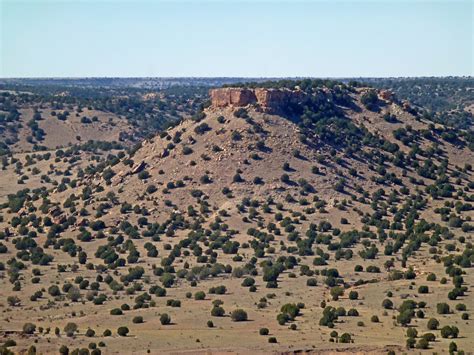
165,319
336,292
353,295
387,304
412,333
442,308
345,338
137,319
238,315
217,311
70,329
422,344
199,296
29,328
433,324
122,331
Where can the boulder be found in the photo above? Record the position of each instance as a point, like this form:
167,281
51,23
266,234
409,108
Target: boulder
138,167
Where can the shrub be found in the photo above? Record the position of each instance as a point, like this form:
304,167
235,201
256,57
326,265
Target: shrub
449,332
422,344
200,295
423,289
217,311
238,315
248,281
312,282
429,336
432,324
187,150
29,328
90,333
336,292
345,338
137,319
116,312
412,333
70,329
353,295
54,290
165,319
122,331
411,343
374,319
143,175
263,331
291,309
353,312
272,340
442,308
369,99
387,304
8,343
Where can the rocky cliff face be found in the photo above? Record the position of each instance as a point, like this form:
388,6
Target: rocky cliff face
232,97
267,100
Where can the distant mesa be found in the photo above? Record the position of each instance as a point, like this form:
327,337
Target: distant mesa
266,99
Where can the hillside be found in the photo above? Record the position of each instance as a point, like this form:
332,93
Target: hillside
38,118
306,215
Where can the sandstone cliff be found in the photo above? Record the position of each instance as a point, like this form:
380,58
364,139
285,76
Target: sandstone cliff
267,100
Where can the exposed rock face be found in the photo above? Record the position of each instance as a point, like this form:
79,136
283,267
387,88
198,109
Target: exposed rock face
232,97
268,100
386,95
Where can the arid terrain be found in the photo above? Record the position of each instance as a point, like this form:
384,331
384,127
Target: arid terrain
311,216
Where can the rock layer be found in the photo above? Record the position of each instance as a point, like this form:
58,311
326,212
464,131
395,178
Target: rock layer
268,100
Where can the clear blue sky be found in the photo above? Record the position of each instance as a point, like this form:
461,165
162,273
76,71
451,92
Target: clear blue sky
236,38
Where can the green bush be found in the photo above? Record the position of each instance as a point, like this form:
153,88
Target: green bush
412,333
423,289
29,328
200,295
122,331
116,312
432,324
387,304
345,338
239,315
353,295
422,344
217,311
443,308
165,319
137,319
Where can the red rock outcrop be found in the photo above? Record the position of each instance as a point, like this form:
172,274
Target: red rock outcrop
386,95
268,100
232,97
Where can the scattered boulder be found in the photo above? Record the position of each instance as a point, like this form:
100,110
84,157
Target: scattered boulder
138,167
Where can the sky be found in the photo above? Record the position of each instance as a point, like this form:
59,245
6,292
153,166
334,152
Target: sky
312,38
